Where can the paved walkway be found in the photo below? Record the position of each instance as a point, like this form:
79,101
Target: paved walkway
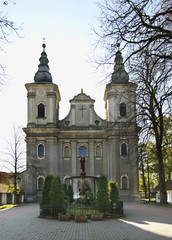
141,222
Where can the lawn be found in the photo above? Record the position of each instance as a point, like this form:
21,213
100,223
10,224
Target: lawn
8,206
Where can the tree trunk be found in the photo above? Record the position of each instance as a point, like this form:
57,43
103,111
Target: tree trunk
163,193
143,177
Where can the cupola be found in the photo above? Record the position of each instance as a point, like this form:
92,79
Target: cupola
43,75
119,74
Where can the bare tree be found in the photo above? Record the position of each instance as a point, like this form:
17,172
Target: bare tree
7,28
144,28
14,157
138,25
154,103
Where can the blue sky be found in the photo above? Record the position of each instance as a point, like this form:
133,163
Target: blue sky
66,25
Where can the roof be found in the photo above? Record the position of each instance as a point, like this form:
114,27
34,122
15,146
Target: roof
82,97
5,177
168,186
43,75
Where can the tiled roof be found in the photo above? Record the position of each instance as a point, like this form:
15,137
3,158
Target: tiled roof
168,186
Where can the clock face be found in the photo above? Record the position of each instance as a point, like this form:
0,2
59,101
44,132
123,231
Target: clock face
82,151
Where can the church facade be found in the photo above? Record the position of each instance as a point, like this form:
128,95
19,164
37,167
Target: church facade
55,147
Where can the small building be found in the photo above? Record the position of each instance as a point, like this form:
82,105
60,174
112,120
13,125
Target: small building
5,196
168,189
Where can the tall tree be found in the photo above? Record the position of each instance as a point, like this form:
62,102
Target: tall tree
154,93
144,28
7,28
138,24
14,157
142,168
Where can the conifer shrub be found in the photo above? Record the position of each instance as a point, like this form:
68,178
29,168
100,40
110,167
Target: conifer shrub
113,194
102,194
46,190
66,192
57,197
46,211
70,194
113,191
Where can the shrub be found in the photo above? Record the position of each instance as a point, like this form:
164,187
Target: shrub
56,192
66,192
46,190
57,197
113,191
70,194
102,194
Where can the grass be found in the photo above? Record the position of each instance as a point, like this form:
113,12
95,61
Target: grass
145,201
8,206
159,205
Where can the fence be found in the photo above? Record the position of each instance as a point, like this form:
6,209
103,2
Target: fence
80,209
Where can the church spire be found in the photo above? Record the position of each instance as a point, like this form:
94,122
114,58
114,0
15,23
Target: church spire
43,75
119,74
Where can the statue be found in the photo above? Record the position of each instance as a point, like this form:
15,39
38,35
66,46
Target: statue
82,161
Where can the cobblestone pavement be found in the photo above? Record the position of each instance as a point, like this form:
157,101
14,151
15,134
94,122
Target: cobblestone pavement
141,222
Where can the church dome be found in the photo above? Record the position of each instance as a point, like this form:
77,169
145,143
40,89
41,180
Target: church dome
43,75
119,75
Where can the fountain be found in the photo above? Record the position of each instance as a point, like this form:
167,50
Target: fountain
82,179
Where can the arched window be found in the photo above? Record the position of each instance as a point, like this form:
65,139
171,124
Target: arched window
82,151
41,110
41,150
98,151
123,149
124,183
66,151
40,183
123,110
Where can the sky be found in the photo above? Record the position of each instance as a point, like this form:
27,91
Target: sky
66,26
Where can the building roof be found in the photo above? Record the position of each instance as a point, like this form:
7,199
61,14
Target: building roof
5,177
119,74
168,186
43,75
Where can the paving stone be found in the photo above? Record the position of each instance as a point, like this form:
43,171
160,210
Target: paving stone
141,222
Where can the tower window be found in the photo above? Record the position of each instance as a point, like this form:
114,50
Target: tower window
41,150
123,110
41,110
123,149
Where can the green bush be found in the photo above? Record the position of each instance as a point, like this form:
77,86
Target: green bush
113,191
57,197
102,194
56,192
70,194
46,190
66,193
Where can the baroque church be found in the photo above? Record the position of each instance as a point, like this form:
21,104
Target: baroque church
55,147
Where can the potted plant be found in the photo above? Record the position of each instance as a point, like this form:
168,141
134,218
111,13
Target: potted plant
63,217
97,216
80,218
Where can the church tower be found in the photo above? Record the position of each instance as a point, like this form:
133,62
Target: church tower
55,147
122,131
41,131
